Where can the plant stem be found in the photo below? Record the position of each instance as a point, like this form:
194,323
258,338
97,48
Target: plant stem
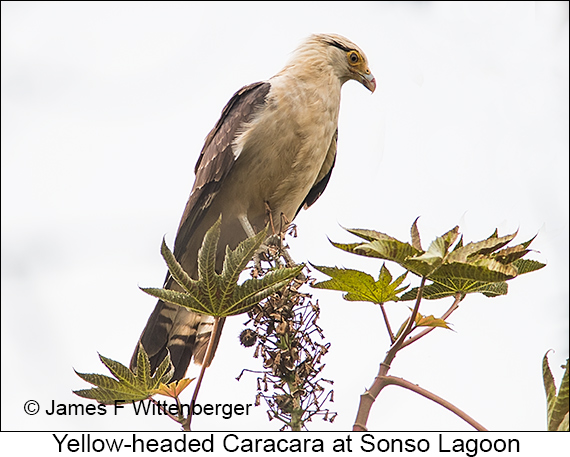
392,339
296,412
458,297
387,380
164,410
207,357
367,398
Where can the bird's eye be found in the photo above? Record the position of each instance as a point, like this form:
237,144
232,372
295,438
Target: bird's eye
353,57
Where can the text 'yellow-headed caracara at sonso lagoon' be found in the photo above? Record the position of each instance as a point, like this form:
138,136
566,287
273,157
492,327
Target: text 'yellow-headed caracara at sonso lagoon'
274,147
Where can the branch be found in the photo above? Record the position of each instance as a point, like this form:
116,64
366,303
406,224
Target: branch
458,297
213,337
165,411
387,380
400,341
367,398
392,338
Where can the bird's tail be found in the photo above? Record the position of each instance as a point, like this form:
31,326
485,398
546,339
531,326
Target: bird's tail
184,333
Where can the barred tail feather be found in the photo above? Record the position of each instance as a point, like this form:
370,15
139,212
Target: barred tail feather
182,332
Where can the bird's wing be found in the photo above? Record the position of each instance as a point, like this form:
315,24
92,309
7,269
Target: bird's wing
323,177
170,326
217,157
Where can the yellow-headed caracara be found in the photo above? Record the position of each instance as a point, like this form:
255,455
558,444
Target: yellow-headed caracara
274,147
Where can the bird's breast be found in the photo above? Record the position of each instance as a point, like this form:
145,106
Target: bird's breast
284,147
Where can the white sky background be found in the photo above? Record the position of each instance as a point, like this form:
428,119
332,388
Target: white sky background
104,110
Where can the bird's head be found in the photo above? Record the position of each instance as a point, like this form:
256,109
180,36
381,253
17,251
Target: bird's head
347,59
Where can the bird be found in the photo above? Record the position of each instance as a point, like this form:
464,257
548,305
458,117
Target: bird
270,154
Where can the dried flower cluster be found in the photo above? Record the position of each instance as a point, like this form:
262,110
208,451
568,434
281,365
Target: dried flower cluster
285,329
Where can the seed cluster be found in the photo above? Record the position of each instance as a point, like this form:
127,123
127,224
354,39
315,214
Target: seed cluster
284,330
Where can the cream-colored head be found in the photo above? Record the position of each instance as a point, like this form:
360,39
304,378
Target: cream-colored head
347,60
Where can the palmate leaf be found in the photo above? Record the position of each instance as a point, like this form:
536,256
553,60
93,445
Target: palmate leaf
510,254
379,245
393,250
207,278
231,295
483,247
198,305
526,266
448,287
482,269
557,405
427,263
252,291
360,286
127,386
454,267
177,272
370,235
220,295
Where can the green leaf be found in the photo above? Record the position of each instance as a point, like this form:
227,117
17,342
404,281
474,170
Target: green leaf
423,321
143,370
564,425
360,286
393,250
425,264
370,235
481,269
526,266
482,248
448,287
176,270
459,244
379,245
127,385
163,372
430,321
557,405
236,261
350,247
207,277
220,295
198,305
476,267
549,384
493,289
252,291
510,254
415,234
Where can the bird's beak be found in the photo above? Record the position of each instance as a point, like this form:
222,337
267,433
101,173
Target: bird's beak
368,80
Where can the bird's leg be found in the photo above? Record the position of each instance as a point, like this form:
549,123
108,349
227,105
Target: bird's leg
284,223
284,252
273,239
268,214
248,229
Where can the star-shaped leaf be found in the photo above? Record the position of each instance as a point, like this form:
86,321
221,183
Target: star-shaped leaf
427,263
360,286
448,287
220,295
454,267
174,389
127,385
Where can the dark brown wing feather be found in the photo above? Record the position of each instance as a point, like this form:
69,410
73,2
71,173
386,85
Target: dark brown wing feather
171,327
323,178
217,157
